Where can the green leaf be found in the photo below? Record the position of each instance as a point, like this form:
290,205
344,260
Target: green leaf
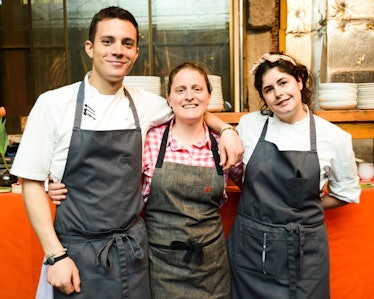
3,137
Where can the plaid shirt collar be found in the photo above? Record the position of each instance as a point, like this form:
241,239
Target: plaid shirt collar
175,145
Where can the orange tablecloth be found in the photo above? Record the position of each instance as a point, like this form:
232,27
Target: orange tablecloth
350,229
351,241
20,253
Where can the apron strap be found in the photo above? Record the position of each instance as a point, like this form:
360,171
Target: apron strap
133,108
313,135
190,246
264,129
162,150
216,157
104,258
79,106
296,232
80,101
312,130
161,153
118,238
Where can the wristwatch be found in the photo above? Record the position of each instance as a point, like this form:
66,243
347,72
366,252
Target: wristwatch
51,260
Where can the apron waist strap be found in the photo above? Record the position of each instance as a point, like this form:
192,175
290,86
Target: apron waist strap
118,238
191,247
103,257
294,233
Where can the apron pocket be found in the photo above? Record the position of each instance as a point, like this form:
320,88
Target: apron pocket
263,251
298,194
316,263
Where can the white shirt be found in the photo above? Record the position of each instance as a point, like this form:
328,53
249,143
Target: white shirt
334,148
45,142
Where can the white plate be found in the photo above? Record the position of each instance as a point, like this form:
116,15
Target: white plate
363,93
365,106
340,98
337,105
337,94
365,100
371,84
367,87
337,86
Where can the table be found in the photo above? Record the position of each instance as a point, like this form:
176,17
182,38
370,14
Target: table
351,241
350,230
20,253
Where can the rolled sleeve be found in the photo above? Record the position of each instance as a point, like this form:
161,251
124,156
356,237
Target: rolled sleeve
343,179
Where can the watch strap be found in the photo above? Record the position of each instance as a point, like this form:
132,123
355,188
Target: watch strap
52,260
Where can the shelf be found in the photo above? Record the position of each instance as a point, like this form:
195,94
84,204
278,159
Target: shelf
346,115
359,123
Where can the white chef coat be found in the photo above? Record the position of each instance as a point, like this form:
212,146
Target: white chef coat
334,148
45,141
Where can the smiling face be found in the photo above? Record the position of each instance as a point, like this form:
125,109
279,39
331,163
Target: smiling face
282,93
189,96
113,52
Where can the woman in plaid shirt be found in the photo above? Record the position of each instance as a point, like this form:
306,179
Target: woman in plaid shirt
184,188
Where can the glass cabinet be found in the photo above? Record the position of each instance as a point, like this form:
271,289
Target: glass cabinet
42,44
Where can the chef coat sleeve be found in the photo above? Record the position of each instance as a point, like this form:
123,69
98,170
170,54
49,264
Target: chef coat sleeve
34,154
343,178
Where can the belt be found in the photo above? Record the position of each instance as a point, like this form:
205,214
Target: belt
192,247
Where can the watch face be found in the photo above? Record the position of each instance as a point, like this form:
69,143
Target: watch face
50,260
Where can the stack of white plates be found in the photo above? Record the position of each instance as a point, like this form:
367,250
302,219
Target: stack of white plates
365,95
335,96
216,100
148,83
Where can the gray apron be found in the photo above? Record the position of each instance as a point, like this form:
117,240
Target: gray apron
278,243
100,221
188,249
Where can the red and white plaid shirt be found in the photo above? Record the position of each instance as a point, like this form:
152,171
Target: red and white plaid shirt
199,154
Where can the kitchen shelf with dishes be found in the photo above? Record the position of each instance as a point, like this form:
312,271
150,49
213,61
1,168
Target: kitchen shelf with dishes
349,105
340,95
359,123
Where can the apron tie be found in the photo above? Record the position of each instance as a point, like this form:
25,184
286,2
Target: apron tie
104,259
191,248
296,232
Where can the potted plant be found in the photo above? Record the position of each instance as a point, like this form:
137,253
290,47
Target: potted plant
6,179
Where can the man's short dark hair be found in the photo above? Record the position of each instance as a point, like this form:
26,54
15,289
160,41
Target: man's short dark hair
112,12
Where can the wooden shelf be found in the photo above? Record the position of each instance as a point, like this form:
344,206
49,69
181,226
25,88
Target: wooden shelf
346,115
359,123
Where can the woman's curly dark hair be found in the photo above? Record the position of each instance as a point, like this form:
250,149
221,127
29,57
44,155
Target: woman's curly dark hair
298,71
